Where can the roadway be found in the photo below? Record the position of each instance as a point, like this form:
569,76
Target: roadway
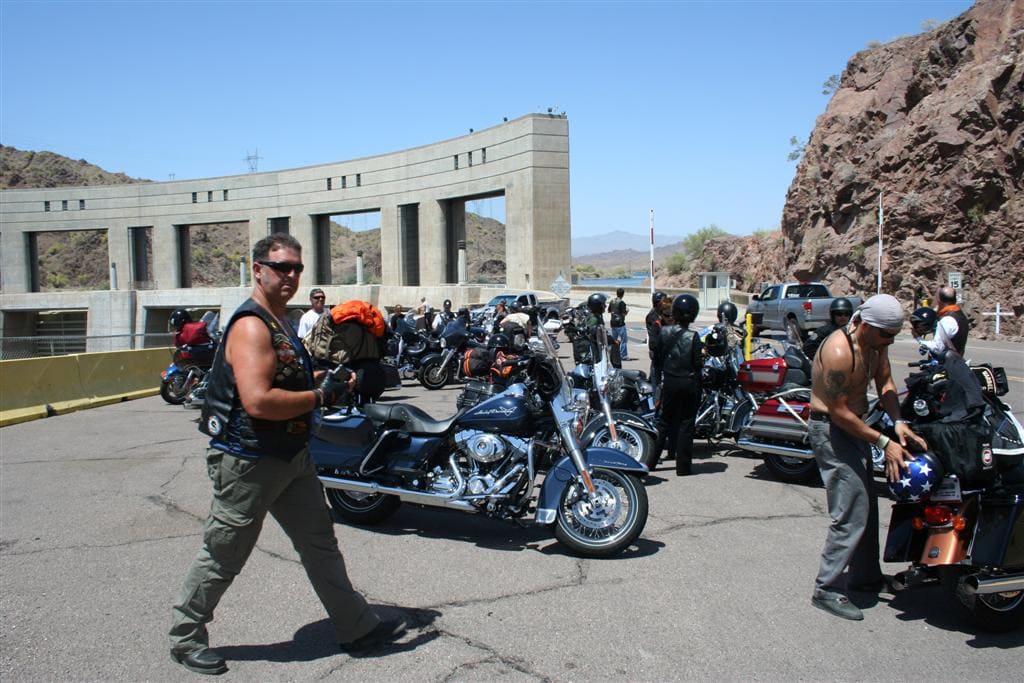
102,512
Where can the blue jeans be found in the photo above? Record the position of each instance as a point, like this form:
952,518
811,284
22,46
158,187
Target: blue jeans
621,335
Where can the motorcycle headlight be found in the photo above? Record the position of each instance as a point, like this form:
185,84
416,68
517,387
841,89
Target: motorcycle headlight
644,388
443,343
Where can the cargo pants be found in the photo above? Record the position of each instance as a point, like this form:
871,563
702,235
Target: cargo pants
852,539
244,491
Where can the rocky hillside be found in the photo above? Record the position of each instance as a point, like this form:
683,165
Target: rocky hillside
19,169
932,124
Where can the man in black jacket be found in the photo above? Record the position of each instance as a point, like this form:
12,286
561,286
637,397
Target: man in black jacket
653,321
839,313
677,351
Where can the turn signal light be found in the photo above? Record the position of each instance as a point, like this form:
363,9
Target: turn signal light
807,306
959,523
938,515
917,523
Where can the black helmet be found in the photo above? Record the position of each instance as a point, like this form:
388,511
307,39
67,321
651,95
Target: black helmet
447,303
515,306
840,305
499,341
923,321
657,297
685,309
178,318
596,303
727,312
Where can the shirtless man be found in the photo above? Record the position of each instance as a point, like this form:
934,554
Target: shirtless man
842,369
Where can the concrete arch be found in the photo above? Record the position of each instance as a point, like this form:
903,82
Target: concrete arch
418,191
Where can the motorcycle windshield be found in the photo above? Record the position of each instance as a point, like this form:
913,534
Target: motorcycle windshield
455,334
544,344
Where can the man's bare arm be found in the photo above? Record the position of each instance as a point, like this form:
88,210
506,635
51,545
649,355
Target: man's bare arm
254,362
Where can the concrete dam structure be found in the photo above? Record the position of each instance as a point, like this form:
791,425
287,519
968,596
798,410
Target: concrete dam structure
420,194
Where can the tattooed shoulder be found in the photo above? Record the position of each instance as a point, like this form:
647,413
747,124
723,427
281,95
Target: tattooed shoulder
835,384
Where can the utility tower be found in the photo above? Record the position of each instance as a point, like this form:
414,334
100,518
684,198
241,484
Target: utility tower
253,160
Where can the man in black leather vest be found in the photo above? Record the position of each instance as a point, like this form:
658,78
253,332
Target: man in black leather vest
677,351
258,411
951,332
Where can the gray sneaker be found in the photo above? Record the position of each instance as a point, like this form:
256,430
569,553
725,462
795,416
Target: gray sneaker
840,606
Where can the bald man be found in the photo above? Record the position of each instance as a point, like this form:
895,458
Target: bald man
951,331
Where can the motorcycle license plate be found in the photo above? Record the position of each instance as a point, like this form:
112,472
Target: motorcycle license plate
948,491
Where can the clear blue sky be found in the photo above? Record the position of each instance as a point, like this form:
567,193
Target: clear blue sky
683,107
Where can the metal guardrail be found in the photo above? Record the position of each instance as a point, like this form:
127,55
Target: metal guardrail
13,348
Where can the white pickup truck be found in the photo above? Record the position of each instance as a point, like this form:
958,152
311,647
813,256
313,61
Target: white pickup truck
799,305
527,299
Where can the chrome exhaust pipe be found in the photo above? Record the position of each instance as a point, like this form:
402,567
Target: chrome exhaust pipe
774,449
983,585
449,500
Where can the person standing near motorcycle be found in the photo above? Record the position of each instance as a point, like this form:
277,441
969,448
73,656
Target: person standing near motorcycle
187,331
839,313
317,299
953,326
678,352
727,315
617,311
258,413
594,326
653,322
841,441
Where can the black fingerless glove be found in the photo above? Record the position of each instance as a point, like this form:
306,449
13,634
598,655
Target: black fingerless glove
334,388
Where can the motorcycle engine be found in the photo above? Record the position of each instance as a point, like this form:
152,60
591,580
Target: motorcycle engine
486,448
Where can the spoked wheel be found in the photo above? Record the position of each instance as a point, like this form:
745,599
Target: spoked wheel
176,389
995,612
362,508
793,470
606,523
633,442
433,374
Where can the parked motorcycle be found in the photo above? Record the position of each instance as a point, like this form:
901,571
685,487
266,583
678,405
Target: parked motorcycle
190,364
486,459
439,368
406,348
959,519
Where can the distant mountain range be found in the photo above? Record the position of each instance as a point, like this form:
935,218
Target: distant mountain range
619,240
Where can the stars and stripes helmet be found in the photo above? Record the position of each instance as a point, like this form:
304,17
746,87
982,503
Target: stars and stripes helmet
922,477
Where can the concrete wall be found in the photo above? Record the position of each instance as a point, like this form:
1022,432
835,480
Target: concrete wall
527,160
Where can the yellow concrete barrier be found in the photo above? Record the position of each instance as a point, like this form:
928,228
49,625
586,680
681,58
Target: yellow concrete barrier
33,388
34,382
118,373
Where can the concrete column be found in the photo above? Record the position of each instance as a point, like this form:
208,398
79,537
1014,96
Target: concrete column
519,233
359,268
390,246
300,226
119,256
433,243
15,273
166,266
111,320
462,262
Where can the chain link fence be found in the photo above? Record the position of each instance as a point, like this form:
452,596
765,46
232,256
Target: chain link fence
39,346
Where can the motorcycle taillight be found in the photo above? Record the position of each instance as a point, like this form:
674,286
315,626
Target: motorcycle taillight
938,515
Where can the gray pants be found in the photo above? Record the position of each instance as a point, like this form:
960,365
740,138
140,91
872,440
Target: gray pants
244,491
852,539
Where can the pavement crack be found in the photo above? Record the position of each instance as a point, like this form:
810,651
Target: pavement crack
95,546
729,520
493,657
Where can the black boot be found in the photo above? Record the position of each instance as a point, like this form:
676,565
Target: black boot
684,467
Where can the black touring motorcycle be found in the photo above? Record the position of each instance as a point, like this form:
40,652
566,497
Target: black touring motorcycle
515,456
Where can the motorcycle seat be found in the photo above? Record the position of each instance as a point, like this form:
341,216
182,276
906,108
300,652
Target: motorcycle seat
407,418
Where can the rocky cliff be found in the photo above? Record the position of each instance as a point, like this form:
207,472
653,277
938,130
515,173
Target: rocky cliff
931,124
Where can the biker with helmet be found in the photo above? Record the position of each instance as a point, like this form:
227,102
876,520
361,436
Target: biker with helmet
594,327
678,352
727,315
516,324
839,313
186,331
654,321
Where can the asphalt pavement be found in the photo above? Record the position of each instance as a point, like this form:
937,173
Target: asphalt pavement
101,513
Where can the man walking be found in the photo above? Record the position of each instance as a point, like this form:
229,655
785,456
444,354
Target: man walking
617,311
951,332
846,362
258,410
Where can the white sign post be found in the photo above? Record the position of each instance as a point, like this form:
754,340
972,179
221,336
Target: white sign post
998,314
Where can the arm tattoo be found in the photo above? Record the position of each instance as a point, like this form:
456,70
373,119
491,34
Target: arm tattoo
835,385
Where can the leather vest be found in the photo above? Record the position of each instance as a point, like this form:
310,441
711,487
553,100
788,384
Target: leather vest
963,326
234,431
680,360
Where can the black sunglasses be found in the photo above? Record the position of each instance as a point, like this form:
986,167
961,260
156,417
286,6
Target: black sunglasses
283,267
